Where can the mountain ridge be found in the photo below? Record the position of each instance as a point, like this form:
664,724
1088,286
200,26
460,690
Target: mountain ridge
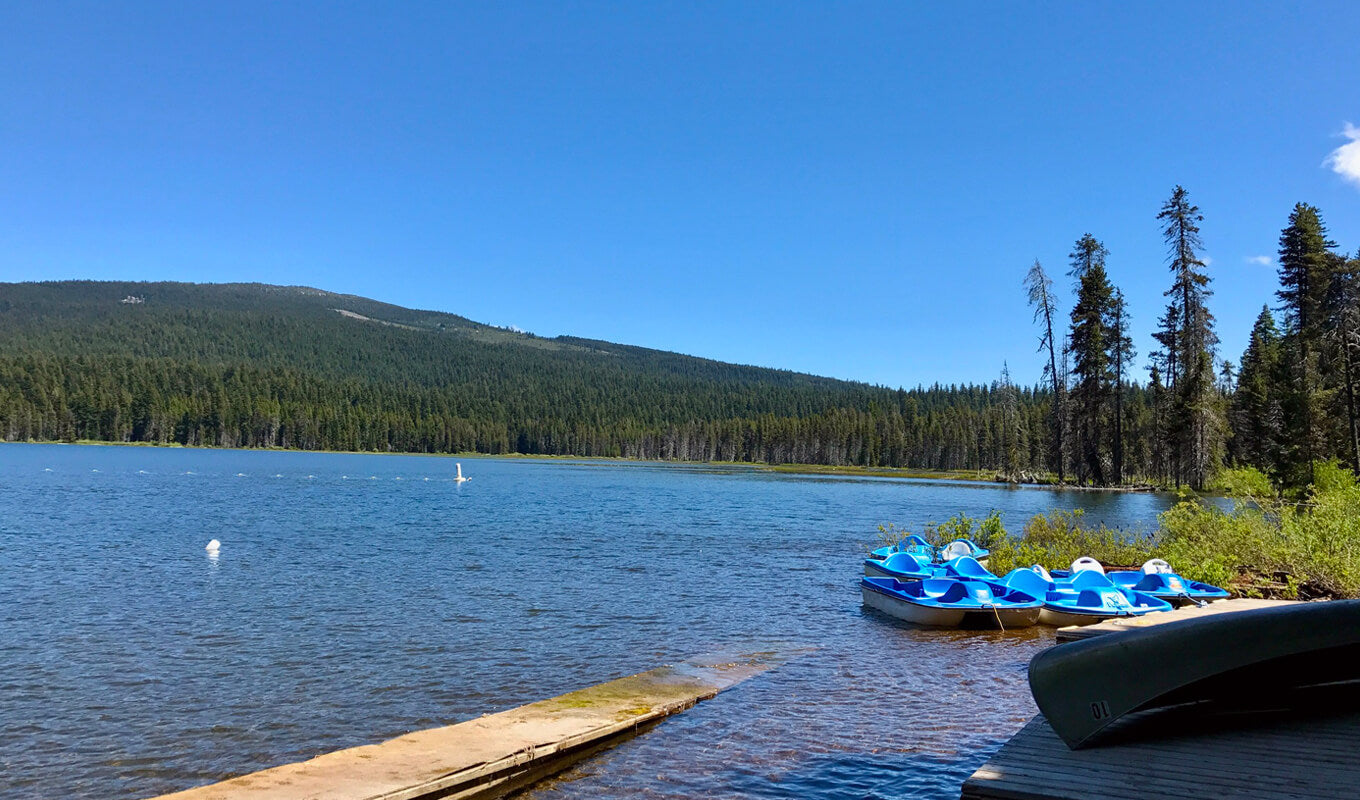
299,367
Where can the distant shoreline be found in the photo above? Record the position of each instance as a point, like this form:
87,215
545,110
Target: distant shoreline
910,473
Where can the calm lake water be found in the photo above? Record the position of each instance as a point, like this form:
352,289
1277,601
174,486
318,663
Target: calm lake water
359,597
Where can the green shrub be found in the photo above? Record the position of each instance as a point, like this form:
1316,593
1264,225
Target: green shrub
1264,544
1058,538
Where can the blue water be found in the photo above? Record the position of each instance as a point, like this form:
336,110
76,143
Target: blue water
359,597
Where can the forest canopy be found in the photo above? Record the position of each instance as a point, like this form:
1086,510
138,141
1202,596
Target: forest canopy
253,365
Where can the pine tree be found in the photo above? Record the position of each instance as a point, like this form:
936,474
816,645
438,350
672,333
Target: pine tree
1122,353
1012,426
1039,289
1091,367
1304,281
1342,346
1190,337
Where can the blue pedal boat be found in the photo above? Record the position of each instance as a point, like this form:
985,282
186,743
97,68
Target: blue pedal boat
951,603
1159,580
964,547
912,544
902,565
967,568
1086,597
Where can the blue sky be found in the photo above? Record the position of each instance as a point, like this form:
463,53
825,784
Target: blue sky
851,189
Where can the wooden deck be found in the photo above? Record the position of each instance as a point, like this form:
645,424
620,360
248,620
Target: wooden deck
1162,617
493,755
1260,755
1309,751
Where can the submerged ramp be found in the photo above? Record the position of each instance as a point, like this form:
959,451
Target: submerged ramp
495,754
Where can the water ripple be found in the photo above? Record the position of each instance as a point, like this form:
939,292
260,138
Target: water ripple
340,613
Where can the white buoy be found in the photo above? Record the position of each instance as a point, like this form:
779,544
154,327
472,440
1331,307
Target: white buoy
460,478
213,546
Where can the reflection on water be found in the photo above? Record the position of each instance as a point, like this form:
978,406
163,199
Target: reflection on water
343,611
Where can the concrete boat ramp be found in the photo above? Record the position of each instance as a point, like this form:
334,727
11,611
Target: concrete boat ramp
495,754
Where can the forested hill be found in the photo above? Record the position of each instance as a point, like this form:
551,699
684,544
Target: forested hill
252,365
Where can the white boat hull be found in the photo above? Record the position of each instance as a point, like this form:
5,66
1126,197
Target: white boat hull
1064,619
1007,617
911,612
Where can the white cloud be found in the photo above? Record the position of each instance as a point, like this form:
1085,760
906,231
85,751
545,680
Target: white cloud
1208,261
1345,160
1263,261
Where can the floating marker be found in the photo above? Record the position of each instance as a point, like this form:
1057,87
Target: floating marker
213,546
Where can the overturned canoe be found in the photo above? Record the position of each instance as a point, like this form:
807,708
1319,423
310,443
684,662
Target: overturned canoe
1085,686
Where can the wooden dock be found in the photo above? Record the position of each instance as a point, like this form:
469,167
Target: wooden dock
1261,755
1162,617
1307,751
493,755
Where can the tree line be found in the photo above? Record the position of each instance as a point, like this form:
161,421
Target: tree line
265,366
1291,404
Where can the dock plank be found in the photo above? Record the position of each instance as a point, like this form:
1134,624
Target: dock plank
1074,633
493,755
1275,754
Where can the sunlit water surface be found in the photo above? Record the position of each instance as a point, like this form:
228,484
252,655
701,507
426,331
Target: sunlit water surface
359,597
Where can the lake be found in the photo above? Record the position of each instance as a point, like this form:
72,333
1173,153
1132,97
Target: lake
358,597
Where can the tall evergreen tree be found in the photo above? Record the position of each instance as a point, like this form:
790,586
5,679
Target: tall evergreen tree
1341,341
1304,282
1121,355
1198,422
1091,363
1039,289
1012,426
1159,446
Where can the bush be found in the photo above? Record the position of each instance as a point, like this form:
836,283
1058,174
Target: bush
1058,538
1265,545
